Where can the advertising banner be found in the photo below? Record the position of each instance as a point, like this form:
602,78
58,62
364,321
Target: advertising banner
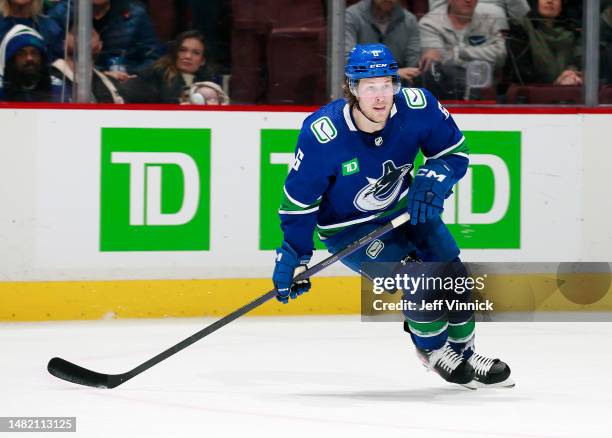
122,195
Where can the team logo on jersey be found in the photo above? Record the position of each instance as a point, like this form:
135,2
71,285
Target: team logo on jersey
415,98
378,141
323,129
381,192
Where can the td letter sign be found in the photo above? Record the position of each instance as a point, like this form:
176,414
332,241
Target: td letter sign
155,189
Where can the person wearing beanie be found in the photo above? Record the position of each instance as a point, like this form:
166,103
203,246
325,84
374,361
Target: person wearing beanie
24,68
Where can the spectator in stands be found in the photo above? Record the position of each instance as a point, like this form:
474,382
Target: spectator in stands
29,13
163,82
502,9
451,39
128,37
544,48
24,69
103,89
606,42
204,93
385,21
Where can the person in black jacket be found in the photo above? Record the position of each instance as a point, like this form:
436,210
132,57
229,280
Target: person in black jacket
103,87
130,42
164,82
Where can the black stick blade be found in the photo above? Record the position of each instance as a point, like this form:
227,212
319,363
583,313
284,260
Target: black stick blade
73,373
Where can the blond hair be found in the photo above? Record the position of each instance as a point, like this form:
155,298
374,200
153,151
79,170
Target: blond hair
35,8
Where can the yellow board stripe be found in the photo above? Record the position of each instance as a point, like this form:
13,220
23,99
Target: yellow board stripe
72,300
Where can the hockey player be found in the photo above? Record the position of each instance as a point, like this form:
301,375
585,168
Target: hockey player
352,173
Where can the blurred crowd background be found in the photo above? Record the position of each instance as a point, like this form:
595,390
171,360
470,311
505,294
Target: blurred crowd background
218,52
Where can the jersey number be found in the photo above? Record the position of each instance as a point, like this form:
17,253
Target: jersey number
299,156
444,111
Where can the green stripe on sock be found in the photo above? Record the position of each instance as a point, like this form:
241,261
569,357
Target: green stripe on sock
461,332
427,329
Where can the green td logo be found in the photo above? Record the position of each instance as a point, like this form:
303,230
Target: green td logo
350,167
483,213
155,189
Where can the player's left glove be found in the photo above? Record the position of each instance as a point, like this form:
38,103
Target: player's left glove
288,265
432,184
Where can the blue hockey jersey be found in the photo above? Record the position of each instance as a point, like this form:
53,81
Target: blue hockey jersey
342,176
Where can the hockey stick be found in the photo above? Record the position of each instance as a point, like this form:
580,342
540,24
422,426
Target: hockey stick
73,373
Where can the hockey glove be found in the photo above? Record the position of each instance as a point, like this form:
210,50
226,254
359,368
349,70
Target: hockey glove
432,184
288,264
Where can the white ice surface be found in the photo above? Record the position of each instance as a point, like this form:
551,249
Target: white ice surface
308,377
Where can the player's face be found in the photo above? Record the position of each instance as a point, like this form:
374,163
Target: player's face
375,96
190,55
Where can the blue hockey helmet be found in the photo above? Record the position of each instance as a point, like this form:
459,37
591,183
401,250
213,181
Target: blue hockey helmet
371,61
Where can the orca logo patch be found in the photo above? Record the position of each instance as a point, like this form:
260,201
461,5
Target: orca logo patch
381,192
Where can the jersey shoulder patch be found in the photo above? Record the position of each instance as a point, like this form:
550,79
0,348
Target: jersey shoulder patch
415,98
323,129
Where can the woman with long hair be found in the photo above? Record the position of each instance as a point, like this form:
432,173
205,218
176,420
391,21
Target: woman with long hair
29,13
543,47
164,82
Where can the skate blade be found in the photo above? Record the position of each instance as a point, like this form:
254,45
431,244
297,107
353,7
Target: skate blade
471,385
508,383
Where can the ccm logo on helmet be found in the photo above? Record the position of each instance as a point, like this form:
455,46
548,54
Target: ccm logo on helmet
378,65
